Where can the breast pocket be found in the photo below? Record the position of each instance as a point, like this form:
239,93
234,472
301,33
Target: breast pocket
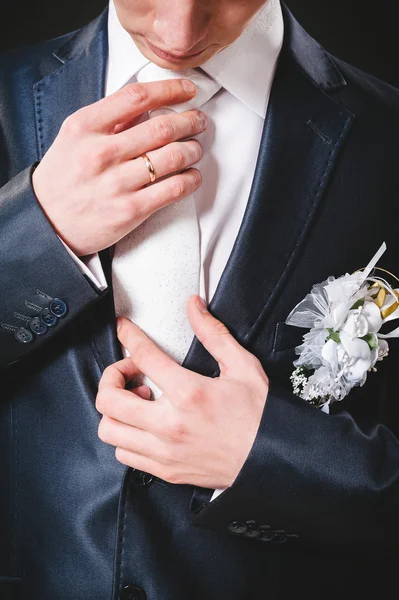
287,337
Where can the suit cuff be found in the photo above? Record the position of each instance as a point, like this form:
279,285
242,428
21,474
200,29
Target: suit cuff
42,290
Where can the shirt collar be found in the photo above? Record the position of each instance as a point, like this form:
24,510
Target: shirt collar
245,68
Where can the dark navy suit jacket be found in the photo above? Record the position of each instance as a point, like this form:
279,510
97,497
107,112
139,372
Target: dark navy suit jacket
314,510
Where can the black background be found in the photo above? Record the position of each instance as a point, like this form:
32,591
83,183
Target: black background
361,32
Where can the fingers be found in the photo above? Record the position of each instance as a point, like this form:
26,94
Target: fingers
124,436
142,391
139,462
216,338
125,407
158,132
133,100
118,374
178,156
150,359
149,200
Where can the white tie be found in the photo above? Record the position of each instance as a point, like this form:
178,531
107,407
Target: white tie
156,268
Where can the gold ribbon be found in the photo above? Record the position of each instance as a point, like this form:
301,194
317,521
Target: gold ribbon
380,299
382,294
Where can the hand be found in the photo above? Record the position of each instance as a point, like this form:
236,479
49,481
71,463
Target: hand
200,431
92,181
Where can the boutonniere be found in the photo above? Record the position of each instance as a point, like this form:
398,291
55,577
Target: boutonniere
345,343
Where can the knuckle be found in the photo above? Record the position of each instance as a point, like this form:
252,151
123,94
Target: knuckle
218,328
195,395
163,130
177,159
174,478
170,475
140,353
115,185
104,154
175,431
168,91
74,124
88,164
94,159
137,93
168,455
178,188
195,121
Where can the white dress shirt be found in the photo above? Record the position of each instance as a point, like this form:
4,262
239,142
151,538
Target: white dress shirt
245,71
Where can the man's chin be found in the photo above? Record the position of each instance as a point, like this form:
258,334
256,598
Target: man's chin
173,65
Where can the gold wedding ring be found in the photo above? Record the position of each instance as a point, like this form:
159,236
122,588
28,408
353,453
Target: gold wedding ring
150,167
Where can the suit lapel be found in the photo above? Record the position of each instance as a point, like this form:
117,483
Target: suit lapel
303,134
72,77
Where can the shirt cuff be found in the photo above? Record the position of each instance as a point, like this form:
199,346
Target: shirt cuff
90,265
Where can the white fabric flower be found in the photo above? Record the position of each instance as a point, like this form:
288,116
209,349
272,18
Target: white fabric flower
354,357
351,358
363,320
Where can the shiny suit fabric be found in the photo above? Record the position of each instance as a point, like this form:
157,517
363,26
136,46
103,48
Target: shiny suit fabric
314,510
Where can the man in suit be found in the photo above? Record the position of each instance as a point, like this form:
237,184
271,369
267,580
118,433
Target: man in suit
306,502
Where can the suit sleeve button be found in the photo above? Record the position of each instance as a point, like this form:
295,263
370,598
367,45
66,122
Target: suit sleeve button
133,592
37,326
48,318
266,536
253,532
58,307
279,537
238,527
23,335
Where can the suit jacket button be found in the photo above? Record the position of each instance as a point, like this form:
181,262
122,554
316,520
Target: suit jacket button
133,592
58,307
141,478
238,527
23,335
37,326
48,318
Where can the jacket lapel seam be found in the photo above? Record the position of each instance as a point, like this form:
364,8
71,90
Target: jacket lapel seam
280,283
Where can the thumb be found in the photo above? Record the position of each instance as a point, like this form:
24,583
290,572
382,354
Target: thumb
214,335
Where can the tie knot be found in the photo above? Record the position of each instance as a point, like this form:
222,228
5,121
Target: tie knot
206,86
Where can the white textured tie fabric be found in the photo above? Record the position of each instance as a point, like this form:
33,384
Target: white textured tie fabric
156,268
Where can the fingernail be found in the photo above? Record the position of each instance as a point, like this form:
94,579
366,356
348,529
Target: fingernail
204,119
201,305
189,86
118,324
